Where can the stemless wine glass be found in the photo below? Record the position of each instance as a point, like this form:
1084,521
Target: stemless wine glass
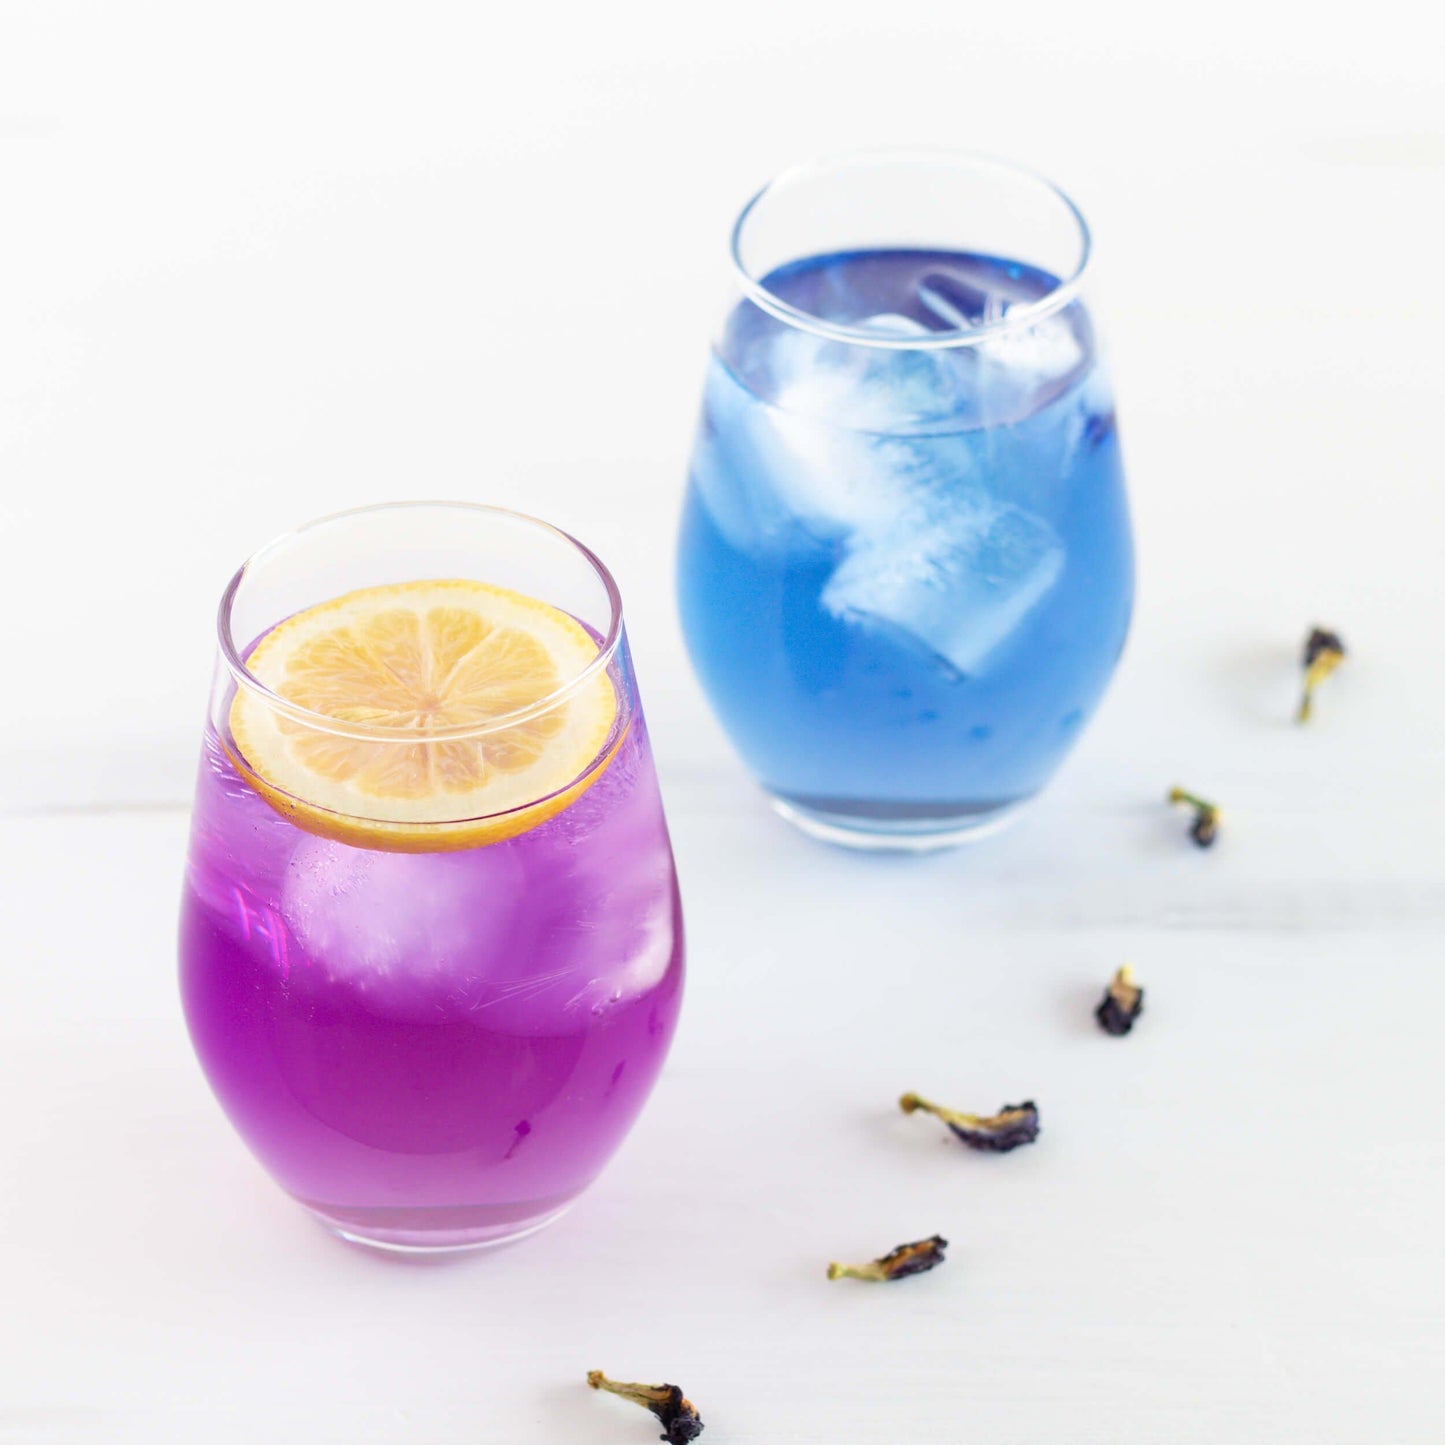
906,570
431,944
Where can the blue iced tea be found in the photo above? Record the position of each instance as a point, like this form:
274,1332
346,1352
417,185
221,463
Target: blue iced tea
906,569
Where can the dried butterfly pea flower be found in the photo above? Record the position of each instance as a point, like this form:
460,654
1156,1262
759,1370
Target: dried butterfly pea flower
898,1263
1122,1003
1013,1125
1323,653
680,1421
1205,827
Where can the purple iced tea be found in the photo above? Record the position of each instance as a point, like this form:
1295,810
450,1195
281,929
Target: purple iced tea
431,1048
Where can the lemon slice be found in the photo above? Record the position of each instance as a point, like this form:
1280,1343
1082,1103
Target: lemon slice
409,667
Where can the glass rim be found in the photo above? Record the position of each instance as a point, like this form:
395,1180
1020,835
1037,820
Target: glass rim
321,722
1065,290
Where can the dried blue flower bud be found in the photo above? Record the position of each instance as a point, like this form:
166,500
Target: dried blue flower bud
680,1421
1013,1125
898,1263
1122,1003
1323,653
1205,827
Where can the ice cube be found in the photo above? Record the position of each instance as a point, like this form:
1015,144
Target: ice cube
1048,349
957,577
893,323
1020,370
863,388
764,468
409,931
838,449
731,465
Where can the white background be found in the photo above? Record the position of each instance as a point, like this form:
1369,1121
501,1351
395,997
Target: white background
261,262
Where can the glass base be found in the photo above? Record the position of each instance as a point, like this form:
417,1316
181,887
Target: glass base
434,1231
896,828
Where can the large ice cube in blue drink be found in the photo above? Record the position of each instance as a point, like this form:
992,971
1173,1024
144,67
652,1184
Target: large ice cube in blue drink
959,582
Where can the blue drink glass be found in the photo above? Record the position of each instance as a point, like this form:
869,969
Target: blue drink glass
906,569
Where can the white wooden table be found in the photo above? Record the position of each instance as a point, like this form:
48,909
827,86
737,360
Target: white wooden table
261,268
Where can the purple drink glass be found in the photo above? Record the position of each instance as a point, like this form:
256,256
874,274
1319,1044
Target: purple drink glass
431,1049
